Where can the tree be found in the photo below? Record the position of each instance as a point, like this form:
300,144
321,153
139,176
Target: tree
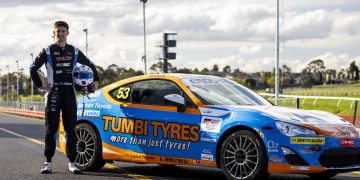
204,71
286,78
237,71
159,67
196,71
354,71
317,68
251,83
271,82
227,69
215,68
306,79
330,75
184,70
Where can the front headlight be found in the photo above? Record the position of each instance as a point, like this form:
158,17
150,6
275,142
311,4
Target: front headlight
293,130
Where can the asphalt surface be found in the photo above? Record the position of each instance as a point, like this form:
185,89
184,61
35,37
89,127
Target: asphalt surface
21,157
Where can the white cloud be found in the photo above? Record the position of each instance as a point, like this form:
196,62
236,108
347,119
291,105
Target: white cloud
313,24
229,32
337,61
250,49
347,25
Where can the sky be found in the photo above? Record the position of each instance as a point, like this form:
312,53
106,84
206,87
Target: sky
239,33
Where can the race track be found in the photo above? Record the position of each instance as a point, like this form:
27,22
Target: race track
21,148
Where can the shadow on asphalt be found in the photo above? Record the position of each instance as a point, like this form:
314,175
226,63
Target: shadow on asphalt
187,172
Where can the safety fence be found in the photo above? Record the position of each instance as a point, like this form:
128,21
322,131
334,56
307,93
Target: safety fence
36,109
32,106
21,112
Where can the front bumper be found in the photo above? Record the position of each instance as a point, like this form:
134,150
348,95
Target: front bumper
307,155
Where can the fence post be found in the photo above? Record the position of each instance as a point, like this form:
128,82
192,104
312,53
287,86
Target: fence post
355,112
297,103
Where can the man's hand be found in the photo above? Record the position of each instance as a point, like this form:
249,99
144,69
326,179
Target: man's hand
94,86
45,88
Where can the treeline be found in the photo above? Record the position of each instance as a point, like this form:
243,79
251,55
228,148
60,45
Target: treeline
315,73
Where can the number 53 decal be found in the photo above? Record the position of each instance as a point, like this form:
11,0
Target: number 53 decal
123,93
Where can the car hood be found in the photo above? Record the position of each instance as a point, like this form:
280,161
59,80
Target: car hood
322,122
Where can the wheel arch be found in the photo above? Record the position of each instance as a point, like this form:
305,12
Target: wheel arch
231,130
84,121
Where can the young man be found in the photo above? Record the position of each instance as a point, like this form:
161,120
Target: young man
60,59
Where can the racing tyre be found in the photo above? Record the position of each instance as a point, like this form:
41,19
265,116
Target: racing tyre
88,148
324,175
243,156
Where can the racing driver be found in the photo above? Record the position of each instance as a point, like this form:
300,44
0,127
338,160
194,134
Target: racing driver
60,60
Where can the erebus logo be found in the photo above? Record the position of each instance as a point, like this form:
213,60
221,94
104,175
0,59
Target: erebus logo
63,64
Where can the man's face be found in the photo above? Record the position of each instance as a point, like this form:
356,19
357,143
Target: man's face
60,34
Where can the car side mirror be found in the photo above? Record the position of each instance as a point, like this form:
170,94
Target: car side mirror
177,100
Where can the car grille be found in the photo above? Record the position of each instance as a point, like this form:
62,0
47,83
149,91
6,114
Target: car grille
295,159
342,157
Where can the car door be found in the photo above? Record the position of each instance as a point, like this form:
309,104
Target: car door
161,129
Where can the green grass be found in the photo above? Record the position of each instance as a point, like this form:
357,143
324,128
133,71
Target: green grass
331,106
343,90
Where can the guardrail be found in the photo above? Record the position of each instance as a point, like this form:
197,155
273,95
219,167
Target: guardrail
26,113
296,100
32,106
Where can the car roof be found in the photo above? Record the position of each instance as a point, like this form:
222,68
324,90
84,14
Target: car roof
191,76
173,76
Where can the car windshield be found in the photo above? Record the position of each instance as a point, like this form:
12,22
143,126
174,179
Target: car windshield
221,91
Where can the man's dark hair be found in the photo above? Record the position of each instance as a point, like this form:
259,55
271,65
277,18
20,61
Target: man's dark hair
61,24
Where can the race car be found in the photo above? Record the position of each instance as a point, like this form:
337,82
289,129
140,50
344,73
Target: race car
201,120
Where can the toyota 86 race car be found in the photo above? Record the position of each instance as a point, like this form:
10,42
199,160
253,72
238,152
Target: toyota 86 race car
201,120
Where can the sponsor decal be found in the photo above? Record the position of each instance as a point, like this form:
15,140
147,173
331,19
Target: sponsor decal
210,124
276,158
89,113
208,137
302,168
63,58
141,156
272,147
63,64
207,157
307,140
95,105
208,81
171,136
174,160
58,71
347,142
212,112
205,139
206,151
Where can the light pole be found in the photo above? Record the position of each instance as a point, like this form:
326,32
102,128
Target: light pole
0,83
32,83
17,81
144,56
7,84
86,46
277,56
